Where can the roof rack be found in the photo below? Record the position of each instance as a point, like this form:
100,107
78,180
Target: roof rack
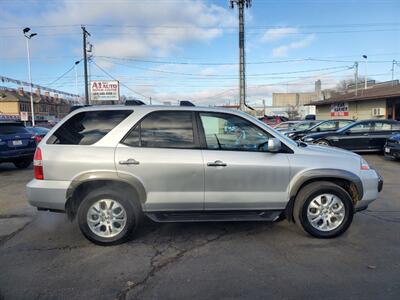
134,102
186,103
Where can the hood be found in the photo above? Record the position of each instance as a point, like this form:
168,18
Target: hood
329,150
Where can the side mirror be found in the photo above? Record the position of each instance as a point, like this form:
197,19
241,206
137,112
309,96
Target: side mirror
274,145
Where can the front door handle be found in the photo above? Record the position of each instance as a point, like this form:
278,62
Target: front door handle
216,163
129,161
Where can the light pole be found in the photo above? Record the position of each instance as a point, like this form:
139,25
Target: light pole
366,71
28,36
76,80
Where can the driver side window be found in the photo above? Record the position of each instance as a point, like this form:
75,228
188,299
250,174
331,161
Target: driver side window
228,132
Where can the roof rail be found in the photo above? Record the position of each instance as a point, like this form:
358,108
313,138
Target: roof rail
186,103
134,102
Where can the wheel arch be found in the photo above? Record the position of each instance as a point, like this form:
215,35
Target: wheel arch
87,182
345,179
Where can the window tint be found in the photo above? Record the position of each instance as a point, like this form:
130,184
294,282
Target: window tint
382,126
166,129
12,128
327,126
227,132
344,123
362,127
87,128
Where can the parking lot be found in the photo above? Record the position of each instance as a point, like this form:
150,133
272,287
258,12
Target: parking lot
43,255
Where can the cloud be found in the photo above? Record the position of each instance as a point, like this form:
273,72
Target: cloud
283,50
275,34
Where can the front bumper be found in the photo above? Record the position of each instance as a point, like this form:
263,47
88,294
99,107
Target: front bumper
47,194
392,151
372,184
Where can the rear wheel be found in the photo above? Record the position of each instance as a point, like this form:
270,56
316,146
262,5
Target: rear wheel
323,209
107,217
23,164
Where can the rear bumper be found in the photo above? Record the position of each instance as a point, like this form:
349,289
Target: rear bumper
13,155
47,194
393,151
372,184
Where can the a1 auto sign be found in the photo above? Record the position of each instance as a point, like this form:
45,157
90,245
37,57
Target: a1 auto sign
104,90
340,109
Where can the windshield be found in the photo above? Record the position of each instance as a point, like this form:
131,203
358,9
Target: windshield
304,125
345,128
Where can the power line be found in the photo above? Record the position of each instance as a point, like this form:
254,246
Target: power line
61,76
112,77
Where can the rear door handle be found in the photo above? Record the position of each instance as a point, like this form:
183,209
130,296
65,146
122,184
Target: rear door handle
216,163
129,161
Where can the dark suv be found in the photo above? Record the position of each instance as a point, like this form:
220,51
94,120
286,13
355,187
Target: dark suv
17,144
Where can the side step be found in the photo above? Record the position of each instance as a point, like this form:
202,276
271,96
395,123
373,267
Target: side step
215,216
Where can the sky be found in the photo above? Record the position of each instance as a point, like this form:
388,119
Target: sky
173,50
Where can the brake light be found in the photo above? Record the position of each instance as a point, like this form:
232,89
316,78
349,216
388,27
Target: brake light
38,164
38,138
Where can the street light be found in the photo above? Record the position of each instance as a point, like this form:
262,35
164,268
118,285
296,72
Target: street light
366,71
28,36
76,79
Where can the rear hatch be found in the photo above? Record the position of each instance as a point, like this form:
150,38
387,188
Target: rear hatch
14,136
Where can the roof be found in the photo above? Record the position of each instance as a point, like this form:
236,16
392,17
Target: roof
376,92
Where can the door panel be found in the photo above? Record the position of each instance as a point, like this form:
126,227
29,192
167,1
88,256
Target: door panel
250,180
356,138
173,178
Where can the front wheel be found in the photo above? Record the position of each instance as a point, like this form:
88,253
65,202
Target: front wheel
323,209
107,217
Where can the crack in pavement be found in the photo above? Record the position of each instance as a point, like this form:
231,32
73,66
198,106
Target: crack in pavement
11,216
11,235
157,263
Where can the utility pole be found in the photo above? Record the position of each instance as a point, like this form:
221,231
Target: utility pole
85,34
366,72
242,67
356,76
393,65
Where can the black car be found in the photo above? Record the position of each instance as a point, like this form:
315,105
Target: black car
392,146
320,126
17,144
361,136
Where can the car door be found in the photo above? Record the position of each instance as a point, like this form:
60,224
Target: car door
356,137
162,152
237,174
382,130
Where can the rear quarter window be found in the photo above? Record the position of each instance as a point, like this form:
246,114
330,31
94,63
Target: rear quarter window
87,128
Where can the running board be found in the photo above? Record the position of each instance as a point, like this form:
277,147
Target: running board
215,216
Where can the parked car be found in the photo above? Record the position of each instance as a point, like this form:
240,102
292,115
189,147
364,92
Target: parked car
321,126
303,125
273,120
392,146
17,144
361,136
286,126
38,132
110,166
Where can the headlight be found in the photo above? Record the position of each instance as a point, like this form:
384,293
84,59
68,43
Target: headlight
309,140
364,165
290,134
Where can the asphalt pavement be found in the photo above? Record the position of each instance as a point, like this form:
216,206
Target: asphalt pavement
44,256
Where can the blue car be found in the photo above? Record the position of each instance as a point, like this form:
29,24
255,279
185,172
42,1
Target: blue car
17,144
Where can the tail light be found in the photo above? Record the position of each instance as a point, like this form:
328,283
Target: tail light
38,138
38,164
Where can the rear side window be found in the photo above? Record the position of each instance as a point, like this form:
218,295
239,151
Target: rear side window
87,128
164,129
12,128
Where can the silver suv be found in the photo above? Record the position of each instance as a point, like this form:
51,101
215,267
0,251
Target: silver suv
110,166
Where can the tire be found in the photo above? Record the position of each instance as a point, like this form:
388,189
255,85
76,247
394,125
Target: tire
101,199
322,142
305,209
22,164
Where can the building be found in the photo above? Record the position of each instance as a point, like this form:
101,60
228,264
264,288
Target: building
379,101
298,98
47,109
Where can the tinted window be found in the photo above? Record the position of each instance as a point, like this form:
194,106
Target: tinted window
326,126
87,128
12,128
227,132
383,126
166,129
362,127
344,123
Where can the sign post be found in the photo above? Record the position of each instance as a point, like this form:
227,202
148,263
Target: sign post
104,90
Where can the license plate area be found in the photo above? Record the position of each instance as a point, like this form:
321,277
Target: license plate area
17,143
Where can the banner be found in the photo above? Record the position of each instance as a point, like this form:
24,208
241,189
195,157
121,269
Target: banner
104,90
340,109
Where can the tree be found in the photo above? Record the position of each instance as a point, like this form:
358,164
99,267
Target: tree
344,85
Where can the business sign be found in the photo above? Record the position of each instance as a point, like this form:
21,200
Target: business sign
340,109
24,116
104,90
